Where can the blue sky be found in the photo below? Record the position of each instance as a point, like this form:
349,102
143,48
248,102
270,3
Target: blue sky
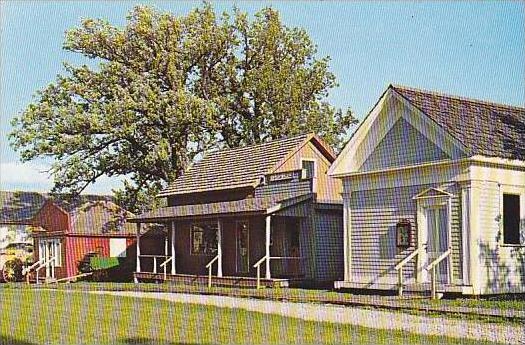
474,49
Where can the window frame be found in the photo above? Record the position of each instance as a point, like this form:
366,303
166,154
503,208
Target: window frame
201,225
313,178
511,190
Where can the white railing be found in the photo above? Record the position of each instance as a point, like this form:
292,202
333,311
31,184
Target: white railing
209,266
45,264
155,257
268,259
163,265
26,270
399,269
432,267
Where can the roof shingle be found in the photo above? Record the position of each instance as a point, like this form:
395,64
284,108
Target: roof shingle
488,129
233,168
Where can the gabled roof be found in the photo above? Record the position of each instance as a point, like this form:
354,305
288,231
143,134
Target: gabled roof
95,215
485,128
19,207
241,167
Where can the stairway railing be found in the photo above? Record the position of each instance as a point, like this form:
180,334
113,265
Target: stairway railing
399,269
209,266
432,267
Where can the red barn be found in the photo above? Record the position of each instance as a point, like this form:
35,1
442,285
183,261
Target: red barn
70,230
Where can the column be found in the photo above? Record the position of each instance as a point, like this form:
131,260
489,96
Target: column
267,246
219,248
347,237
475,236
138,251
172,233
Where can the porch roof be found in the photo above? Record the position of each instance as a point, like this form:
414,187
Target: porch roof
260,205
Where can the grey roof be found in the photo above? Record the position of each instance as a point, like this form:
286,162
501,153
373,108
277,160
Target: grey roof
239,167
485,128
249,205
19,207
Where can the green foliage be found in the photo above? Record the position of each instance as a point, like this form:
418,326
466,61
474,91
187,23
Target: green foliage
167,89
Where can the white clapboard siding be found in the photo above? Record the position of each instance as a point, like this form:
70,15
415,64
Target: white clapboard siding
374,215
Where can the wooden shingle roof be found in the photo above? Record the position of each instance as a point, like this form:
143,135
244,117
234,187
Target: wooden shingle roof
484,128
240,167
244,206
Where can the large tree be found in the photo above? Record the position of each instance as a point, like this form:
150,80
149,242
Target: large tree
164,89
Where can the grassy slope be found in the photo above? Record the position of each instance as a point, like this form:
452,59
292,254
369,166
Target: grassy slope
57,317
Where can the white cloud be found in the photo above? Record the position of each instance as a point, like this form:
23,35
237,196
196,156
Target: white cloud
16,176
33,177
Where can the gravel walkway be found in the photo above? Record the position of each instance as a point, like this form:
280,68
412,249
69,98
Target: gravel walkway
496,332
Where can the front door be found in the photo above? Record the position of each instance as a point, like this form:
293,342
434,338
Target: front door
242,232
47,250
437,240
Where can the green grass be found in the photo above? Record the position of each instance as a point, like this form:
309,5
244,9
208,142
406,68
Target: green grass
31,316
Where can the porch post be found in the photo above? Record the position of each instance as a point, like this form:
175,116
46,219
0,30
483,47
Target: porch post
138,252
267,246
219,248
347,238
172,247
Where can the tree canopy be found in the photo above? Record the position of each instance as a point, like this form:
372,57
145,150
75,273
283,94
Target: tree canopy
164,89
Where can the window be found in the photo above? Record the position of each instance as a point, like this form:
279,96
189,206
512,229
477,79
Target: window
50,248
308,167
204,239
117,247
511,219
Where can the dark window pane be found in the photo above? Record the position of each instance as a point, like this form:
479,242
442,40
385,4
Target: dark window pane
511,219
309,169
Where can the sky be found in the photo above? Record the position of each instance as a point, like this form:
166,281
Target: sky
473,49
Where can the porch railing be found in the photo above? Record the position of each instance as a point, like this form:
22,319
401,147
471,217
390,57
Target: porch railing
209,266
164,264
432,267
399,269
156,257
27,270
45,264
268,259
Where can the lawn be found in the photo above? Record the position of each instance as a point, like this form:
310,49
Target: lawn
31,316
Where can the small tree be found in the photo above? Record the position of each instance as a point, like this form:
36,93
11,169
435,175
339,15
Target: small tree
168,89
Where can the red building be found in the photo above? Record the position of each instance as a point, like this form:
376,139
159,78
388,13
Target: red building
70,230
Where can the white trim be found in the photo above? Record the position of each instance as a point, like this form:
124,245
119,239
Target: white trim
316,174
359,135
422,260
380,121
347,238
422,195
466,240
172,233
267,245
219,247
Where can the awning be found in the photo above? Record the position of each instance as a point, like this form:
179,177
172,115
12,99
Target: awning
260,205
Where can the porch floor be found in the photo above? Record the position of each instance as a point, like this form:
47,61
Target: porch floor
225,281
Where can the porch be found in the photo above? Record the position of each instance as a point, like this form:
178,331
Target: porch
264,247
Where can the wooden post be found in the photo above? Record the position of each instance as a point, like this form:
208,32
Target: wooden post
138,252
400,281
433,283
268,234
173,247
165,253
219,248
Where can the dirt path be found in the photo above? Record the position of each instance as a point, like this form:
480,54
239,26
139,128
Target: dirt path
496,332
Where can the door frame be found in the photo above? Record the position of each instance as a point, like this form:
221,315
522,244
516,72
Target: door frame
424,203
237,254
